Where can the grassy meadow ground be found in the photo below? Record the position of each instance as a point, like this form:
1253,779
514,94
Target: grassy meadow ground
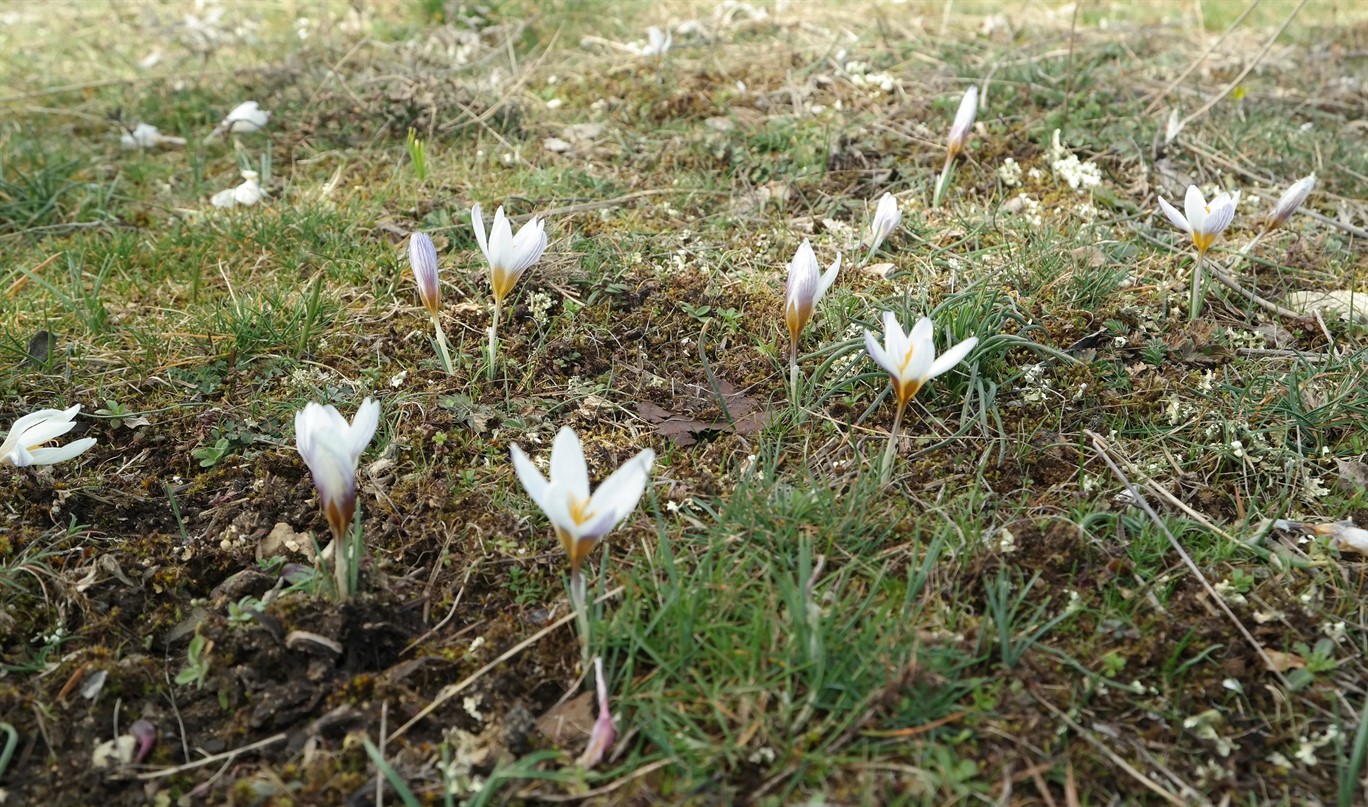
1002,623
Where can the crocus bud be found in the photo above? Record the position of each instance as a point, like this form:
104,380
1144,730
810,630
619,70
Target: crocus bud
886,219
423,259
331,448
964,123
805,288
1291,199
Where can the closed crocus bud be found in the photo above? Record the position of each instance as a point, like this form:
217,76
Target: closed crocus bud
886,219
423,259
964,123
331,447
805,288
1291,199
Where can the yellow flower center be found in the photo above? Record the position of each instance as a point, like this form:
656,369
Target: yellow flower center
578,511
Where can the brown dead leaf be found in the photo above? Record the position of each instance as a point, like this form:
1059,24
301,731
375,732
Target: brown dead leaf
569,722
1282,662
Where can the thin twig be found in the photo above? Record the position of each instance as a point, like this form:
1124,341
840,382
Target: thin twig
1248,68
453,690
1100,445
1196,62
226,755
1116,758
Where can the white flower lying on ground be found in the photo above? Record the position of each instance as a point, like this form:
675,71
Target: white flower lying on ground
23,445
146,136
245,117
248,193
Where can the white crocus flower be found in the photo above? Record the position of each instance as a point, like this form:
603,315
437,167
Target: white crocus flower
247,194
245,117
964,123
580,519
910,361
508,257
886,219
24,445
423,260
1291,199
806,286
146,136
331,447
658,42
1203,223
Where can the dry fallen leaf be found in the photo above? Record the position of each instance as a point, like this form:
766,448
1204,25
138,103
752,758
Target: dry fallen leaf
1282,662
1342,303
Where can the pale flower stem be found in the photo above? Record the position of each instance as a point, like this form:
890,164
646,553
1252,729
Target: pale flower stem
339,568
1195,296
886,471
793,374
494,337
442,345
577,601
942,182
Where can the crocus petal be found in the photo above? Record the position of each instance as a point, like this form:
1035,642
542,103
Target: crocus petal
363,427
1220,218
528,245
1194,204
1174,216
44,430
532,480
568,468
50,456
501,252
952,357
619,494
879,355
828,278
477,221
894,337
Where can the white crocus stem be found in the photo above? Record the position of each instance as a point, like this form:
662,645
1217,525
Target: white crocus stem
331,447
423,260
887,217
910,361
580,519
805,288
1291,199
24,444
245,117
508,257
1203,222
602,736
